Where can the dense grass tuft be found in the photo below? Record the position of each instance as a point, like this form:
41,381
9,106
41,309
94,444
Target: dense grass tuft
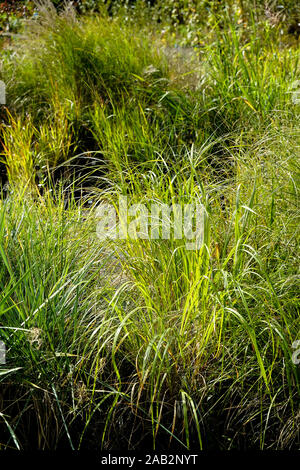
141,343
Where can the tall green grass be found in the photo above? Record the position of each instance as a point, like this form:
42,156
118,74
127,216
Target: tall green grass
141,343
126,333
89,83
251,78
99,84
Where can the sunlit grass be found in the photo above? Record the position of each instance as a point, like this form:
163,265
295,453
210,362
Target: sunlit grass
133,343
